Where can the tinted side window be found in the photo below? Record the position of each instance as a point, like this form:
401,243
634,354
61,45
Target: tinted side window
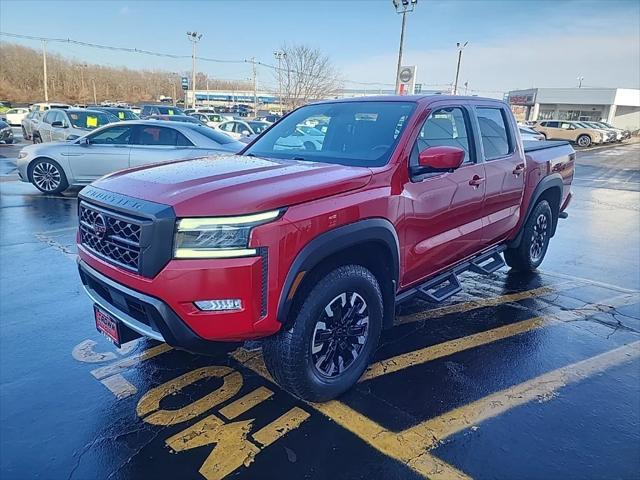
119,135
493,131
48,118
445,127
182,141
553,124
152,135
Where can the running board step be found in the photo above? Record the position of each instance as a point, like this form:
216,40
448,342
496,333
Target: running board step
487,263
440,288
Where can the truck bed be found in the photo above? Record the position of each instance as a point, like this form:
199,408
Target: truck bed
534,145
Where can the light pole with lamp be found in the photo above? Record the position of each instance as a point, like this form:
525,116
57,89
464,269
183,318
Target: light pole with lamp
402,7
194,37
279,56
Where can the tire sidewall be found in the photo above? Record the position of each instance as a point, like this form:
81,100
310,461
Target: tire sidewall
588,144
542,207
327,289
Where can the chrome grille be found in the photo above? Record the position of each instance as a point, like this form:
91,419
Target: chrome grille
111,236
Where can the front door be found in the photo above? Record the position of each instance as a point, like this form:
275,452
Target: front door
106,152
443,222
504,168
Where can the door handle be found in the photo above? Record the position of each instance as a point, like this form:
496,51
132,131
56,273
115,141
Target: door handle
476,181
519,169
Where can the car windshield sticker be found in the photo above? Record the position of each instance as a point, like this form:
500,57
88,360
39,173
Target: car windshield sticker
92,121
170,111
121,115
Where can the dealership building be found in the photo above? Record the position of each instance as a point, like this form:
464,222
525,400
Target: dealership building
618,106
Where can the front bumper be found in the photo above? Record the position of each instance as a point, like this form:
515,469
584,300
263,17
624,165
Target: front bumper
162,307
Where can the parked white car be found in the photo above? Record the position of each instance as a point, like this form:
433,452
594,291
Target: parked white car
527,133
52,167
58,125
43,107
210,119
240,128
15,116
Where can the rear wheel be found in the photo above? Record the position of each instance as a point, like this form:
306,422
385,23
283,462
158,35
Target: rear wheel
584,140
36,138
333,337
48,177
535,240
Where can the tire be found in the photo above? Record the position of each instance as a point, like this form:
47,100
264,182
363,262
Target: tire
536,234
584,141
24,134
36,138
48,176
298,358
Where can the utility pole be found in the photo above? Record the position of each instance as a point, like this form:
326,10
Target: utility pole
279,56
255,86
44,69
82,81
460,48
402,7
466,87
95,98
194,37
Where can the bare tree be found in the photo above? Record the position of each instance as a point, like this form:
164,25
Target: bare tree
305,74
21,79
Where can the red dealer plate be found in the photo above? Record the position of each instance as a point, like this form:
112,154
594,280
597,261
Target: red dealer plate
107,325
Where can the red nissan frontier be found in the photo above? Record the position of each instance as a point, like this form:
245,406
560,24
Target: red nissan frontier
314,233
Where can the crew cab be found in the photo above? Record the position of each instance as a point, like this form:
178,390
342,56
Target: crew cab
310,249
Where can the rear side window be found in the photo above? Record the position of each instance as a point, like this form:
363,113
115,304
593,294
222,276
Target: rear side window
553,124
445,127
494,133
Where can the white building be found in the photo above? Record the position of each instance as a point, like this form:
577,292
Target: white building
617,106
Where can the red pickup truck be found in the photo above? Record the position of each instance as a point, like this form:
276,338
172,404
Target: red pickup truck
314,233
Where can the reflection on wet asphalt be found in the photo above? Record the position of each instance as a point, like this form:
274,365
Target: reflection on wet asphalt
519,376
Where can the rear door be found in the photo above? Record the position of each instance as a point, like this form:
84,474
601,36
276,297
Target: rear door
156,143
108,151
443,224
44,128
504,169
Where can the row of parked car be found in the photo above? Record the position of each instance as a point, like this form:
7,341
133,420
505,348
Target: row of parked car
582,133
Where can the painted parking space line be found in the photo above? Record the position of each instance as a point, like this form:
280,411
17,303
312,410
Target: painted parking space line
427,354
591,282
540,388
485,302
119,386
126,363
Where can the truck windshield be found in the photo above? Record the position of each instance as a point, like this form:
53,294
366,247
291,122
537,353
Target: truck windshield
353,133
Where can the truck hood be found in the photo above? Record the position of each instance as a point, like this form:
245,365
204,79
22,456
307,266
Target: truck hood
234,184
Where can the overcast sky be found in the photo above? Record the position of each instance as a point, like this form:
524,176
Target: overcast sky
512,44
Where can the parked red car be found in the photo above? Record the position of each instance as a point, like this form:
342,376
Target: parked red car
311,248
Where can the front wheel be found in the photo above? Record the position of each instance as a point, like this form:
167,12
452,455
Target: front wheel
535,240
333,337
48,177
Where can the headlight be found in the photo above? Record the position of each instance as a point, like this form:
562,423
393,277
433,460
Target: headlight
218,237
22,154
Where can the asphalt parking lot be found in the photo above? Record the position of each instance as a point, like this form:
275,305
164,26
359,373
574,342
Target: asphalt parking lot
521,376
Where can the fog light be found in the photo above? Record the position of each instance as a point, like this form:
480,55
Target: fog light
219,305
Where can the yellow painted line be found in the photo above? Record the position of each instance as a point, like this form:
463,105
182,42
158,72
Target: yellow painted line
403,448
149,405
280,426
427,354
129,362
541,388
484,302
247,402
119,386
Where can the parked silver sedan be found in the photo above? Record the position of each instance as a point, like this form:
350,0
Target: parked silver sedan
30,123
58,124
53,167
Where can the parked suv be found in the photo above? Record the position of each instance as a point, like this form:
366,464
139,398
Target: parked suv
311,247
575,132
59,125
149,110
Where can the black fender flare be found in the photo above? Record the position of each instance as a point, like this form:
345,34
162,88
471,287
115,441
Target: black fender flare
553,181
328,243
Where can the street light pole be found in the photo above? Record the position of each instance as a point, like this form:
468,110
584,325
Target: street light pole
402,7
44,68
460,48
279,56
255,86
194,37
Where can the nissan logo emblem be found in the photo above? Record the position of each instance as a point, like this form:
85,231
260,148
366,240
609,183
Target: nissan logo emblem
99,226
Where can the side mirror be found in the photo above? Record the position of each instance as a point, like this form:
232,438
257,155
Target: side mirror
58,124
439,159
84,141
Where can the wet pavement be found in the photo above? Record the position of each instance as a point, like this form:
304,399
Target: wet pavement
520,376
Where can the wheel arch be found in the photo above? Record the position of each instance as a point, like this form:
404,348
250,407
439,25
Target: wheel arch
372,243
549,189
33,162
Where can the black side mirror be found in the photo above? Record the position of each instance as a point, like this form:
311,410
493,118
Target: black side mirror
84,141
58,124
